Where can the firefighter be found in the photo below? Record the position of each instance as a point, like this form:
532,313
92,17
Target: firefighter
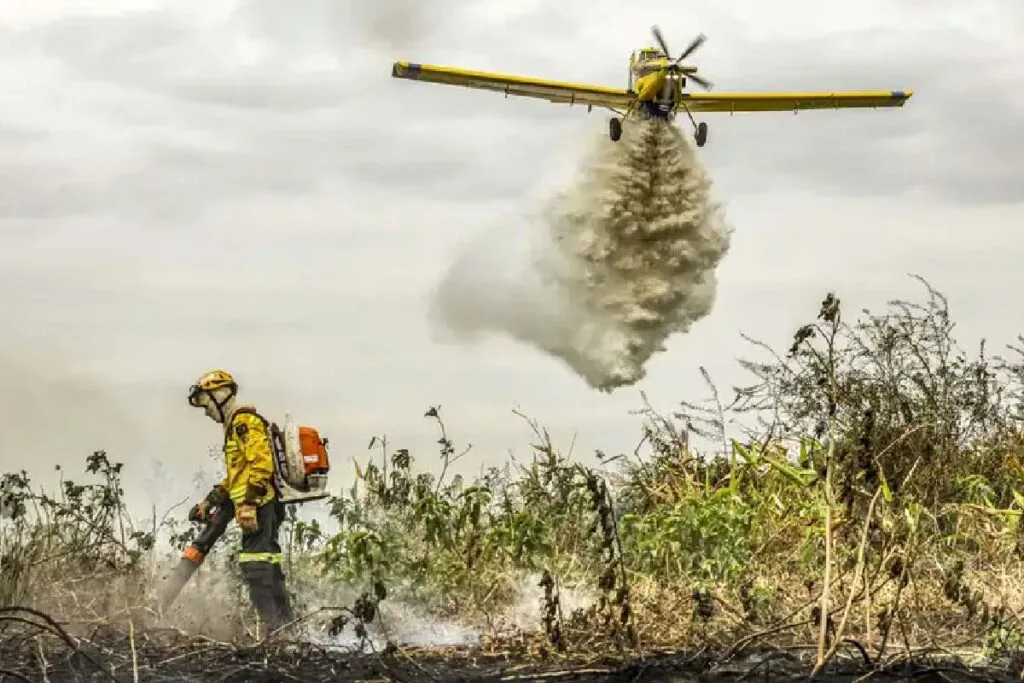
248,489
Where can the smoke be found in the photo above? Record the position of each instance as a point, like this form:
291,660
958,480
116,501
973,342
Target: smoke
56,414
213,603
327,25
396,24
609,270
409,624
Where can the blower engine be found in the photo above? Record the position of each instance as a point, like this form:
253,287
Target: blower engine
301,462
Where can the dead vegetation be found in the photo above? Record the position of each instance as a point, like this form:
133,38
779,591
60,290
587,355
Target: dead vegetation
863,509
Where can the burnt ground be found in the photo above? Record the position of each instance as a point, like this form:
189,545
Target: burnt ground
215,662
34,648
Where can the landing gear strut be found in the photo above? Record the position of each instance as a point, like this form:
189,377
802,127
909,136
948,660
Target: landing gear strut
700,132
615,129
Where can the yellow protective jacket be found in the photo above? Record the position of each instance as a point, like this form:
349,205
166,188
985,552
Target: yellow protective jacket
248,458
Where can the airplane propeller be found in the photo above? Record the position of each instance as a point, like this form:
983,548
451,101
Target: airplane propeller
674,66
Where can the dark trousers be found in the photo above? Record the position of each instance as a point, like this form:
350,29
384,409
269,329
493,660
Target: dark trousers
260,562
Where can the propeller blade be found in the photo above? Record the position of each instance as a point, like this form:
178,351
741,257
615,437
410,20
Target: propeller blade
697,42
702,82
660,40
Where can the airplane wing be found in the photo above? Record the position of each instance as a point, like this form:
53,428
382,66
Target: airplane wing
521,86
794,101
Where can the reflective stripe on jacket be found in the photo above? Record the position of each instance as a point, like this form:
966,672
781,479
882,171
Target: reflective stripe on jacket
269,558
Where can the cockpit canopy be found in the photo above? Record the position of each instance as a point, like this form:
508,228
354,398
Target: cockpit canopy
647,61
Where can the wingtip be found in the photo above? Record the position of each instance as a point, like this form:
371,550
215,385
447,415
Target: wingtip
405,69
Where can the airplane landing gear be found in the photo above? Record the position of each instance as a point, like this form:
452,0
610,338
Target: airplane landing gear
700,130
701,134
614,129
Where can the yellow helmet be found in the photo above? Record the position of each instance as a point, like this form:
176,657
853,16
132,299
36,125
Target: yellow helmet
209,382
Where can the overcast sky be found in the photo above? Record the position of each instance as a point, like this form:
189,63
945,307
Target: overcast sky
191,184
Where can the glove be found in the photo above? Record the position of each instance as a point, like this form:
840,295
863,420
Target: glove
200,512
254,494
245,515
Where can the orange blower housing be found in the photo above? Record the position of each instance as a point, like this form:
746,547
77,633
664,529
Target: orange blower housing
302,462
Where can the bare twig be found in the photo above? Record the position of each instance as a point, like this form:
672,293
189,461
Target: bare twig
857,573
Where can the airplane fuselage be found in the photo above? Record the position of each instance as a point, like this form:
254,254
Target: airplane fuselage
656,91
656,95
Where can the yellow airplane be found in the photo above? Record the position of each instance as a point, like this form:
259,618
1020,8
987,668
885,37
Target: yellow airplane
655,89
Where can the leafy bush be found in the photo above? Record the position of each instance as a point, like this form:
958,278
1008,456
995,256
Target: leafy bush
84,532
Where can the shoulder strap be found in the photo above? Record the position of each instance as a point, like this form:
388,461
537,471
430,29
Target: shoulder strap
248,410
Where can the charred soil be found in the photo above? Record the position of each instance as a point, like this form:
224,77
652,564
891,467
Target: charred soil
33,647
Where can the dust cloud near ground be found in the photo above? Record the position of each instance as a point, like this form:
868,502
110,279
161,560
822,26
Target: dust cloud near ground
614,266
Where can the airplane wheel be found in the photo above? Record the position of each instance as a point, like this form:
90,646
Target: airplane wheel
701,136
615,129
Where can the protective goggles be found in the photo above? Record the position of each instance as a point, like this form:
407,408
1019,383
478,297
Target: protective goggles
195,396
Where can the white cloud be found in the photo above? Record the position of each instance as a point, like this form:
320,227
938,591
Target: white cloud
187,185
